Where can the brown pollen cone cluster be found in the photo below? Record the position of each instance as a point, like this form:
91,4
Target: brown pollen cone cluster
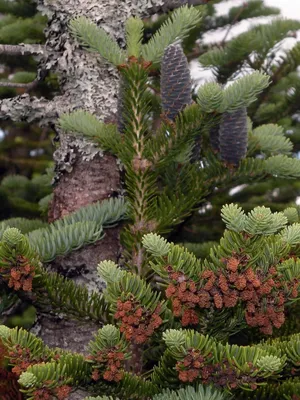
42,394
20,275
113,362
21,359
191,366
60,393
263,293
196,366
185,295
137,322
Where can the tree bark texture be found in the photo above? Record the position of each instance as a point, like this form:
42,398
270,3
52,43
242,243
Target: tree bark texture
84,174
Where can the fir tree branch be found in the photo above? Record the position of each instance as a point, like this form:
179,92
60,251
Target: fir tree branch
53,242
24,272
238,14
30,109
140,177
190,393
77,229
176,27
107,213
28,86
22,49
68,369
270,142
162,149
134,36
244,91
264,95
23,224
171,4
63,295
84,123
14,84
96,39
283,166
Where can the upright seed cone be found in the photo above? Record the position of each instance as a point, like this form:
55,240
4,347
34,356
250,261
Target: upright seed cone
233,136
196,149
214,137
175,81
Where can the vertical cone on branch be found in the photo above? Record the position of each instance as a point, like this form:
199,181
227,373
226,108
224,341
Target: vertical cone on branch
233,136
175,81
214,137
196,149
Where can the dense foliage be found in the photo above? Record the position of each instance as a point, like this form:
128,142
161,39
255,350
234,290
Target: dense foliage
25,149
171,325
274,49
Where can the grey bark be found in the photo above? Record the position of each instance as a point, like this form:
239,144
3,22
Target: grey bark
83,173
22,49
29,109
